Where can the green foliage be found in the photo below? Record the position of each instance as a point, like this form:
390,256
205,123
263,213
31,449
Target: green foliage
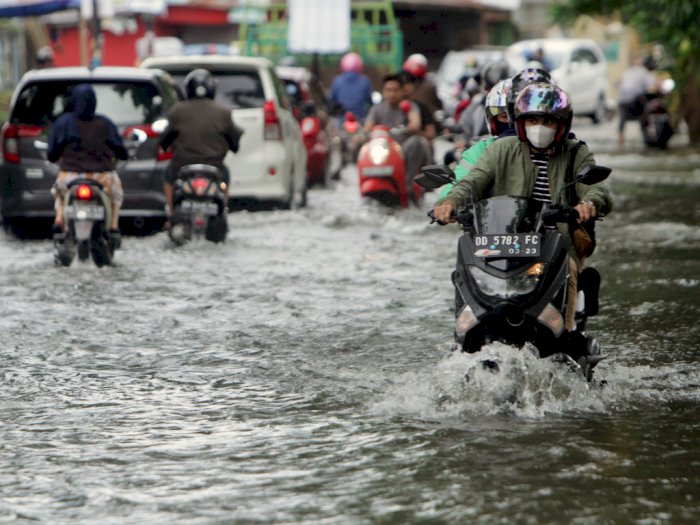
671,23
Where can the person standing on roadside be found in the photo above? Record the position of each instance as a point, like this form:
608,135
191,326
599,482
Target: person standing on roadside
636,81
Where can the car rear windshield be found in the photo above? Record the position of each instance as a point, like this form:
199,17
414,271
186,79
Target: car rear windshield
239,89
126,103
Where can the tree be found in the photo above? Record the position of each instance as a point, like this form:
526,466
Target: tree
674,24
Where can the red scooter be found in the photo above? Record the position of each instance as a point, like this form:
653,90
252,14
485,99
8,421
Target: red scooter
381,167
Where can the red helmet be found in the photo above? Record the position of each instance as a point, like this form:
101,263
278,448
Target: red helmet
351,62
416,65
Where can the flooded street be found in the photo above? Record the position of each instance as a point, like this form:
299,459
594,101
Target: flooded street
301,373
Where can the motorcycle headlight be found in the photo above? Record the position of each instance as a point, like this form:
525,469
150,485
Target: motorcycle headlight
379,151
521,284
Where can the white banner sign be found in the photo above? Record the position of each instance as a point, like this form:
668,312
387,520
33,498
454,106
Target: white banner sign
319,26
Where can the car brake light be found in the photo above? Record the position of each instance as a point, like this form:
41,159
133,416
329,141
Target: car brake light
200,185
84,192
11,135
273,129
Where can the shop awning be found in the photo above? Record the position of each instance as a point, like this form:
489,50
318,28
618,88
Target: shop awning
13,8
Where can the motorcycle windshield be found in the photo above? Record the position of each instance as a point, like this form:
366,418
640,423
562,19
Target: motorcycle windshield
504,214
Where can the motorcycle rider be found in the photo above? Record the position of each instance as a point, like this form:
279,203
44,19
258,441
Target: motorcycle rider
86,145
199,131
351,90
425,91
416,149
535,164
498,124
499,105
428,124
473,119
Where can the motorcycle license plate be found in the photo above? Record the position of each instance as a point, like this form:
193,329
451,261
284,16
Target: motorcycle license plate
507,245
84,212
207,208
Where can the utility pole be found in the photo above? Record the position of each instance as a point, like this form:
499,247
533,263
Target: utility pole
97,38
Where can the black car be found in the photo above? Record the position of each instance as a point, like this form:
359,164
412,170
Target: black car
134,98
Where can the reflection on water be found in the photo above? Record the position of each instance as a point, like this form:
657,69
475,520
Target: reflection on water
300,373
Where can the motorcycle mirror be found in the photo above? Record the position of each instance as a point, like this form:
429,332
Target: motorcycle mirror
434,175
593,174
159,125
137,135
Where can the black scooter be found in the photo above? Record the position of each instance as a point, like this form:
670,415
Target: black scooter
511,274
199,205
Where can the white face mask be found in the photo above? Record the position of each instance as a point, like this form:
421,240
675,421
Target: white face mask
540,136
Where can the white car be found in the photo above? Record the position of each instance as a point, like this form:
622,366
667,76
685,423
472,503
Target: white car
577,65
270,166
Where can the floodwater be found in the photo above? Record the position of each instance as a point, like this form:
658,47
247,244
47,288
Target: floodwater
301,373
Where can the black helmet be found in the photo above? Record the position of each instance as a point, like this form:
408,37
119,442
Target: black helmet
200,83
544,99
492,72
520,81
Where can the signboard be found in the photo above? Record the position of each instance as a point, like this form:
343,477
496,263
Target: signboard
319,26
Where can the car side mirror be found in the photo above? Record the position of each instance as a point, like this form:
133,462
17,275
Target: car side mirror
435,175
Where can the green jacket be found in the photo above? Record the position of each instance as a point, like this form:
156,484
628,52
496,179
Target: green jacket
468,160
505,168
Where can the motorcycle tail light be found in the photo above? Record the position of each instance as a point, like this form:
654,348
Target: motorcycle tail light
351,126
200,185
84,192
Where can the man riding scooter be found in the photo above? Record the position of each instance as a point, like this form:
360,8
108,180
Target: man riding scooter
200,131
416,148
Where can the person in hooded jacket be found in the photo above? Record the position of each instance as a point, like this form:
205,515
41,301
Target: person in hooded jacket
85,144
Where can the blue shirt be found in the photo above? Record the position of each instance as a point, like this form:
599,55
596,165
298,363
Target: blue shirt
353,91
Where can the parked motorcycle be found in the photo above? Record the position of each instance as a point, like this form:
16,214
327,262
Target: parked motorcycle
317,145
381,167
511,274
199,205
87,211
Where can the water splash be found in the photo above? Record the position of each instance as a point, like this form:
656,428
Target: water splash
498,380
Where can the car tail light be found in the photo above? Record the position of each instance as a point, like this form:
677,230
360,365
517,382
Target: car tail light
11,135
84,192
273,129
200,185
151,134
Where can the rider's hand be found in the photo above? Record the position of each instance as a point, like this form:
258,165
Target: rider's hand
443,212
586,211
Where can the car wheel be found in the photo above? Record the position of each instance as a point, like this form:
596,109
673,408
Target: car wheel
600,110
